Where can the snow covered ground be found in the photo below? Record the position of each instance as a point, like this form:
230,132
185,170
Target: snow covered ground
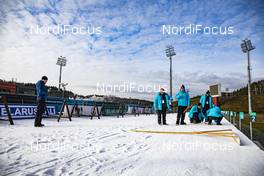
107,147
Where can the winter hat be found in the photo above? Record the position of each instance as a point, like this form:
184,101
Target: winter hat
44,78
182,87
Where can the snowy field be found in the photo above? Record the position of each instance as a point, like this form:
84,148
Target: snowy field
108,147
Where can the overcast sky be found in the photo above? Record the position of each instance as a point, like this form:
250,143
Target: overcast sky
126,43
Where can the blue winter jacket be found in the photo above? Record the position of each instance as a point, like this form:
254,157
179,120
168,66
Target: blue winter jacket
193,110
183,98
203,99
214,112
158,101
41,90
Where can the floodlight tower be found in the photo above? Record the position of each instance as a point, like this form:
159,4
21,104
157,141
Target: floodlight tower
169,53
62,63
64,89
246,47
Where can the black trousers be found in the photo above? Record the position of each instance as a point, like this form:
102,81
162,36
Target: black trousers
195,118
41,107
163,114
217,120
181,114
205,109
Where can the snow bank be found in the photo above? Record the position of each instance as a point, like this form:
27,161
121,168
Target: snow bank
107,147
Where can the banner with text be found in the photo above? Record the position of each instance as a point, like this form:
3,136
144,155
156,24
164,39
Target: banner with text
24,111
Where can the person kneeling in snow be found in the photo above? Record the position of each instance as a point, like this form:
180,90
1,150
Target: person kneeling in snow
196,114
215,114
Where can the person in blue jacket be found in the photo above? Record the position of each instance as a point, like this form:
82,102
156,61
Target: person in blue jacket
162,105
207,103
215,114
183,103
42,94
196,114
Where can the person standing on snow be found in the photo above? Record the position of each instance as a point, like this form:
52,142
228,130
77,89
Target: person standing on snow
183,103
42,94
207,103
162,105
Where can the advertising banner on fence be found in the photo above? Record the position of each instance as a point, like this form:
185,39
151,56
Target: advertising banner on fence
241,115
23,111
253,116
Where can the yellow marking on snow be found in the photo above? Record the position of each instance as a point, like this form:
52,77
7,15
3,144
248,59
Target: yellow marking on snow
228,133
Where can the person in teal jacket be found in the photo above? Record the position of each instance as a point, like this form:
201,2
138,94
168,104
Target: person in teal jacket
183,103
215,113
207,103
162,105
196,114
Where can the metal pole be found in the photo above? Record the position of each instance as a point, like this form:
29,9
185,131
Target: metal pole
60,76
170,76
249,93
63,95
239,124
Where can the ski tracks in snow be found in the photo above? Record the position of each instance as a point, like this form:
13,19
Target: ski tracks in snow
70,151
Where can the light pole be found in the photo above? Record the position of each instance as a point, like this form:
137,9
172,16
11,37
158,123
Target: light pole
64,89
246,47
169,53
62,63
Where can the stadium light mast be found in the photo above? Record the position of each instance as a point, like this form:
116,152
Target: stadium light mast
64,89
169,53
246,47
62,63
